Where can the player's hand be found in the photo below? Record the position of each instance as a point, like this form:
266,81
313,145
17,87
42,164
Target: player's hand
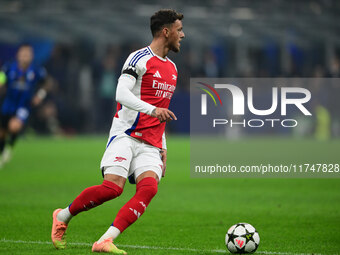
39,97
163,114
163,155
36,101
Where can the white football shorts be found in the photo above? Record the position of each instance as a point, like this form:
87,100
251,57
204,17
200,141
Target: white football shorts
126,156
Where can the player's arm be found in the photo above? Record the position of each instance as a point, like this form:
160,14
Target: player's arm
124,96
164,154
44,85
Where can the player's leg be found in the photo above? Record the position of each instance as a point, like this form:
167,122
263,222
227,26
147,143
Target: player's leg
2,145
89,198
146,189
2,139
15,126
115,173
147,170
93,196
4,120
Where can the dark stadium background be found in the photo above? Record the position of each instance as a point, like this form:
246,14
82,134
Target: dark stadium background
83,45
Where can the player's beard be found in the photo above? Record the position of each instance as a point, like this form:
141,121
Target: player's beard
174,47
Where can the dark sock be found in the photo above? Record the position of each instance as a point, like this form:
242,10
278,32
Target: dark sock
12,139
2,145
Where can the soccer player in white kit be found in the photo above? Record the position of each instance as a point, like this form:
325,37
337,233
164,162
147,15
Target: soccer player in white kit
136,148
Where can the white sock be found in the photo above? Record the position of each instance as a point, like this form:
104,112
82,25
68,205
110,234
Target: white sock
64,215
112,232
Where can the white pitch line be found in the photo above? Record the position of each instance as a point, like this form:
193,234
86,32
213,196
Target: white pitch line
155,247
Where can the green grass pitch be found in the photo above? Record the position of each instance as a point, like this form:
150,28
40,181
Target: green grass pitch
188,216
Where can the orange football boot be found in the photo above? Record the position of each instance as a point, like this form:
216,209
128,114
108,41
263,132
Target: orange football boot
58,232
107,246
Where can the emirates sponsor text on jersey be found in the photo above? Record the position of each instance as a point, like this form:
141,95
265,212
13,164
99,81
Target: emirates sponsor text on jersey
163,89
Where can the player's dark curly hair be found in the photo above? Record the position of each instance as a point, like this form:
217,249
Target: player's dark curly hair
164,17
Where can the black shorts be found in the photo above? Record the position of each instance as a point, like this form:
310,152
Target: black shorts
4,120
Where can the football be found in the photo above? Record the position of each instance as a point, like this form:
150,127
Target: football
242,238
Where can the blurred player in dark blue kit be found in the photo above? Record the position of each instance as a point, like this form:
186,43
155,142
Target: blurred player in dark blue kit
20,81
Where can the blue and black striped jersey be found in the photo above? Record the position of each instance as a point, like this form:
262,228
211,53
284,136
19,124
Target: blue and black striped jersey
21,86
